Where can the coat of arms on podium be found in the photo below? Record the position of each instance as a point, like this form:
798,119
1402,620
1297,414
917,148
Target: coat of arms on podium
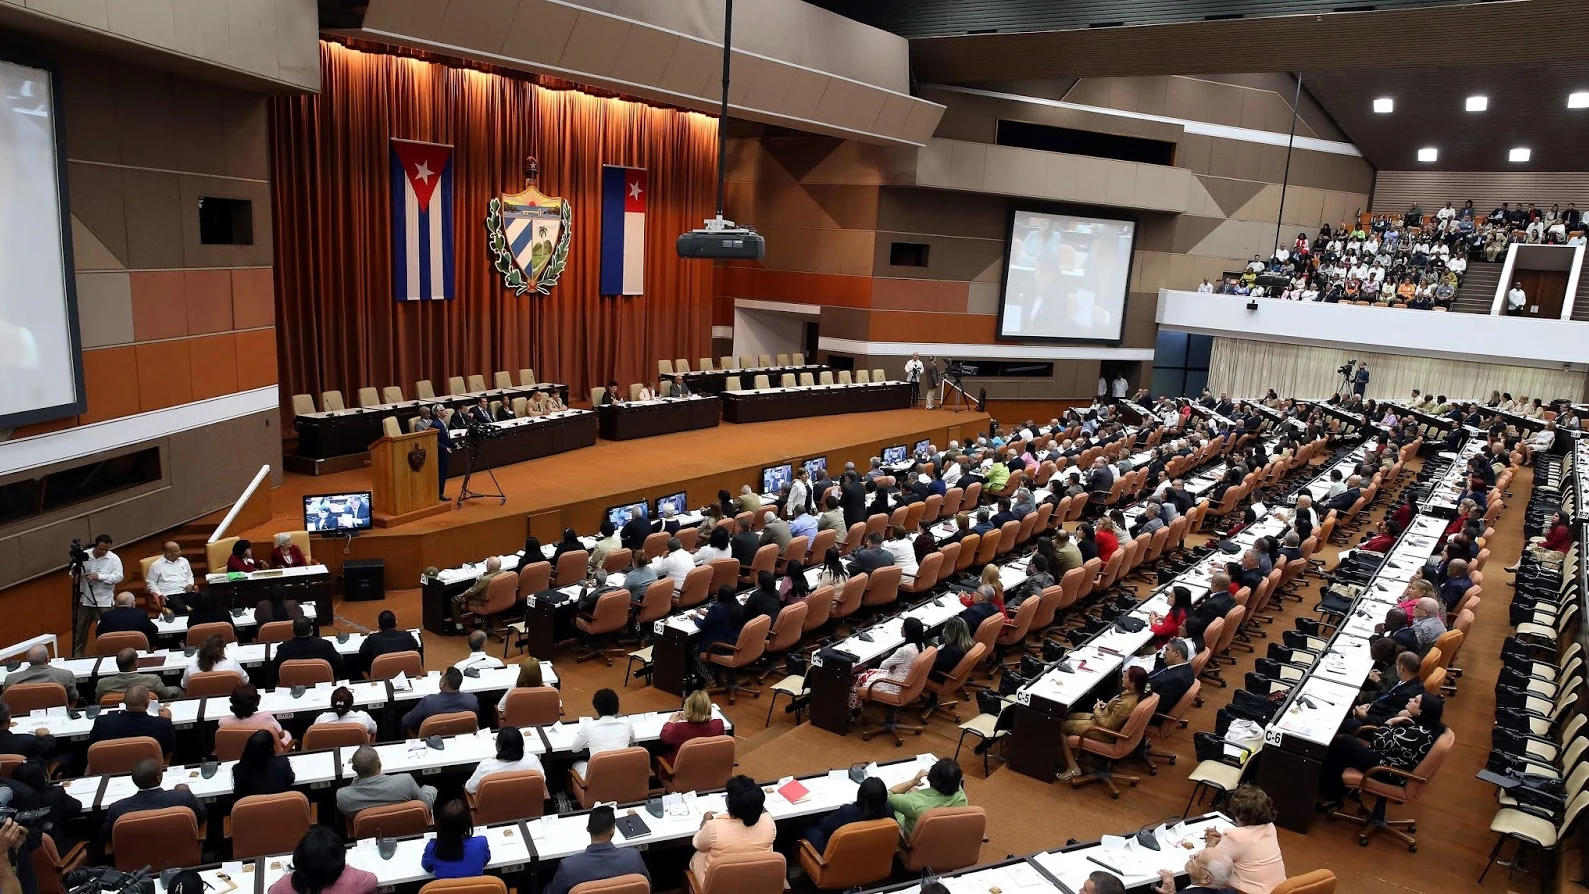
528,236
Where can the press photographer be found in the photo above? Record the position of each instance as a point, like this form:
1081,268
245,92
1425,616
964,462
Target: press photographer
95,574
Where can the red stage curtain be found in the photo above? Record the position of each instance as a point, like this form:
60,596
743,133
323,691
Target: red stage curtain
338,326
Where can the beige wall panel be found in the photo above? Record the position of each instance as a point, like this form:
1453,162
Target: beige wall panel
845,322
766,86
1146,95
848,104
104,309
89,108
471,23
967,165
1263,206
983,298
200,120
203,29
930,211
93,13
1089,91
155,220
422,18
247,123
1120,186
253,33
540,30
818,251
41,548
1015,172
895,114
1271,163
595,44
145,117
98,199
804,97
1092,180
948,258
850,207
146,21
88,253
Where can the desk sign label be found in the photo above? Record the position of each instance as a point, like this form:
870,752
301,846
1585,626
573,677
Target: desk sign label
1273,735
1023,697
816,660
658,627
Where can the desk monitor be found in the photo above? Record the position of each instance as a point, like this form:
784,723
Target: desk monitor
816,468
673,501
922,447
337,512
775,478
893,455
620,515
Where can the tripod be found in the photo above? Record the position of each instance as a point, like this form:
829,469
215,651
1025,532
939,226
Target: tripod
476,463
960,400
78,591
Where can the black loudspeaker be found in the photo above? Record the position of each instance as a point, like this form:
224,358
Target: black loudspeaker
364,580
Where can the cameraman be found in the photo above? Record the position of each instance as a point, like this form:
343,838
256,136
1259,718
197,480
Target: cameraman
1360,381
913,370
101,574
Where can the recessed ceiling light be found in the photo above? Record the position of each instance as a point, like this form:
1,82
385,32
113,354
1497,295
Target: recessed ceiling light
1578,100
1384,105
1478,103
1518,154
1428,153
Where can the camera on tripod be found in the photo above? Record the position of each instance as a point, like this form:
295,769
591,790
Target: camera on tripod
476,431
957,369
76,553
1347,368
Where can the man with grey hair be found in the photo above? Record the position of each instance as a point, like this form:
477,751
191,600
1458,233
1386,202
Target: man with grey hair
1174,679
748,500
877,471
40,670
126,617
170,578
675,565
372,788
1428,622
1207,872
1291,547
1022,503
774,530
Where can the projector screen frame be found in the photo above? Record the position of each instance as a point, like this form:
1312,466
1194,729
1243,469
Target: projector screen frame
1113,215
28,59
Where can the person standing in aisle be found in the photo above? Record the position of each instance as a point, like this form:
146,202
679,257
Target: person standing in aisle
913,370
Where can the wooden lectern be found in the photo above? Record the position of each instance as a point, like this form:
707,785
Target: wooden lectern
403,468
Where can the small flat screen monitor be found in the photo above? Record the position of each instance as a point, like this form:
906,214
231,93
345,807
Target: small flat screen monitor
894,454
773,478
620,515
337,512
922,447
673,501
816,468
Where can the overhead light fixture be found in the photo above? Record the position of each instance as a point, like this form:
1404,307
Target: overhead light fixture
1478,103
1384,105
1578,100
1518,154
1428,153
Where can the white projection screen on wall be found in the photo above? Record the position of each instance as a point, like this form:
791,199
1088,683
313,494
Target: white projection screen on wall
1065,277
40,355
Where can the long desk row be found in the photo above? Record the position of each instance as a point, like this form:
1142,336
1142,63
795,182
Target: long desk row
342,432
813,400
645,419
1301,732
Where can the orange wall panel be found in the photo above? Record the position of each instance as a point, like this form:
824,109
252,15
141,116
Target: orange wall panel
44,428
256,359
110,379
209,300
833,290
165,374
159,305
921,326
253,298
213,364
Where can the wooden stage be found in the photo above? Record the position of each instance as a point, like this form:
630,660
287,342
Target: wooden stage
574,489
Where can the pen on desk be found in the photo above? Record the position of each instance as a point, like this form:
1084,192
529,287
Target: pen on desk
1105,865
1107,650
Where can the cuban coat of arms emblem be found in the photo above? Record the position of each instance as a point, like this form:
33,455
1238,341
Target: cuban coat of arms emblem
528,236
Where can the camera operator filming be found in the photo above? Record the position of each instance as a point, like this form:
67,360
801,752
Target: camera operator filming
95,574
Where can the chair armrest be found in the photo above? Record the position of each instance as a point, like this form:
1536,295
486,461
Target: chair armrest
1409,777
664,766
806,848
1365,729
1106,730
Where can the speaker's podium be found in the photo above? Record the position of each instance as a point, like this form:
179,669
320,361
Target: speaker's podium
403,471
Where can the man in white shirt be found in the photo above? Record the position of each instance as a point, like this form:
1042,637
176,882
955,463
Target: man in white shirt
1516,300
903,550
1446,213
799,493
913,371
1103,388
1120,387
170,578
1206,287
101,574
607,732
477,657
676,564
1457,265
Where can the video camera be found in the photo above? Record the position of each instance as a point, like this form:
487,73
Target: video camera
957,369
1347,368
77,554
476,431
32,820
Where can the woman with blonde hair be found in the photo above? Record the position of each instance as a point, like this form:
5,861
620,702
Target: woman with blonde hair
693,721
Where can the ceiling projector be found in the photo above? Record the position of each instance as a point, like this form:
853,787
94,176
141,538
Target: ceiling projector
723,240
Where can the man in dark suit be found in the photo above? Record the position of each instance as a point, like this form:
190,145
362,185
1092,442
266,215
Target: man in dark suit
1381,709
743,546
879,503
634,532
306,645
480,413
1345,500
134,720
150,796
29,744
1246,573
1171,681
600,860
1100,479
384,641
872,556
852,499
126,616
1218,601
430,418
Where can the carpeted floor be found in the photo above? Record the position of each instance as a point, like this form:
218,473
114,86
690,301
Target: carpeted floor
1026,815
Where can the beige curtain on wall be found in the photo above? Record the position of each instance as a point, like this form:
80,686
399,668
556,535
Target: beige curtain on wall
1246,368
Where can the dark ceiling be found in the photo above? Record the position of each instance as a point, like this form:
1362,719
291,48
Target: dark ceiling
1527,108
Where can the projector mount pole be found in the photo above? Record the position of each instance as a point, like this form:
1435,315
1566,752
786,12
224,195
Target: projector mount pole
722,115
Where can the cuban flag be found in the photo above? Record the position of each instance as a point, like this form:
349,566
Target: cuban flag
422,263
623,230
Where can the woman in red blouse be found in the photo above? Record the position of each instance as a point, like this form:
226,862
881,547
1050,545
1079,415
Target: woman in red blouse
286,554
1167,626
242,558
1558,539
693,722
1108,541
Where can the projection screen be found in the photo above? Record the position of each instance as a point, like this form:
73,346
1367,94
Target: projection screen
40,357
1065,277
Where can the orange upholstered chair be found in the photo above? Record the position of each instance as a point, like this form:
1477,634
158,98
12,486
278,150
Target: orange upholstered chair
909,691
503,797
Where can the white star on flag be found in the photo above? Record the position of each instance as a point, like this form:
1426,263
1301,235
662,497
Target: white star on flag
423,172
634,190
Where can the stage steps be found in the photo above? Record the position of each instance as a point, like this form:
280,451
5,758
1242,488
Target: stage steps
1477,292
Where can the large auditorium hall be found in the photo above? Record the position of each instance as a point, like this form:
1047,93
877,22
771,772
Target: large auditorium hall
728,446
